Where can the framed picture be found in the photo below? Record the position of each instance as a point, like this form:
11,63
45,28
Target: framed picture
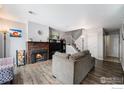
15,32
20,57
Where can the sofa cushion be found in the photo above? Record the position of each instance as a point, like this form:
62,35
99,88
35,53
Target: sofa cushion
79,55
63,55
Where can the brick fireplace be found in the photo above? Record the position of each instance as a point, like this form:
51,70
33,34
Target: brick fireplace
37,51
39,55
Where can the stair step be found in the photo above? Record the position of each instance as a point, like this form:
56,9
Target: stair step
76,48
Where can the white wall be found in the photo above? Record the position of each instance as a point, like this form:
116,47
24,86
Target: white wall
94,42
12,43
32,32
122,47
100,43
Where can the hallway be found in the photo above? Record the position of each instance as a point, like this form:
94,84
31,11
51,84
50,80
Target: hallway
111,43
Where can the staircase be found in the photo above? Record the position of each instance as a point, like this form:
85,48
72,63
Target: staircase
72,37
75,47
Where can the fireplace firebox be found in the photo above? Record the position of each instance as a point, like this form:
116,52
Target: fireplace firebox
39,55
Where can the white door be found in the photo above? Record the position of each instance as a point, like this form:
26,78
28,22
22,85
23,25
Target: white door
113,45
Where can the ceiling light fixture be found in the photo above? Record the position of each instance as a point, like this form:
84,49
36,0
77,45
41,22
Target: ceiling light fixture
31,12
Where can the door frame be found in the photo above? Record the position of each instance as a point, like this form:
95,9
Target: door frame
105,47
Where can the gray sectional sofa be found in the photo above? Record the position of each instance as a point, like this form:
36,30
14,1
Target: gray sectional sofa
72,69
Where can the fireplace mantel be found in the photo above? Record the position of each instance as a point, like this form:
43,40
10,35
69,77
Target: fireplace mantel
36,42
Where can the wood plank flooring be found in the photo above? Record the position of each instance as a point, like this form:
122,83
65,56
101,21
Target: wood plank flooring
41,73
112,59
37,73
105,73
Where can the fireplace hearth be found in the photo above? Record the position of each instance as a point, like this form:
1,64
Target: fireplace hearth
39,55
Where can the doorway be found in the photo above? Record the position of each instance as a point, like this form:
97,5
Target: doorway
111,40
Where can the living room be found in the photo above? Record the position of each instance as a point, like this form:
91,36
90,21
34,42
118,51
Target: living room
59,44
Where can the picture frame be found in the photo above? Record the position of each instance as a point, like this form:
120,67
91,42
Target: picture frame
15,32
20,57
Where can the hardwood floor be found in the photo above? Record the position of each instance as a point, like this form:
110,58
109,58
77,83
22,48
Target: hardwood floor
105,73
112,59
37,73
41,73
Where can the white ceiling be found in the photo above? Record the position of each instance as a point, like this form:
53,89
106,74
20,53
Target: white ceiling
67,17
